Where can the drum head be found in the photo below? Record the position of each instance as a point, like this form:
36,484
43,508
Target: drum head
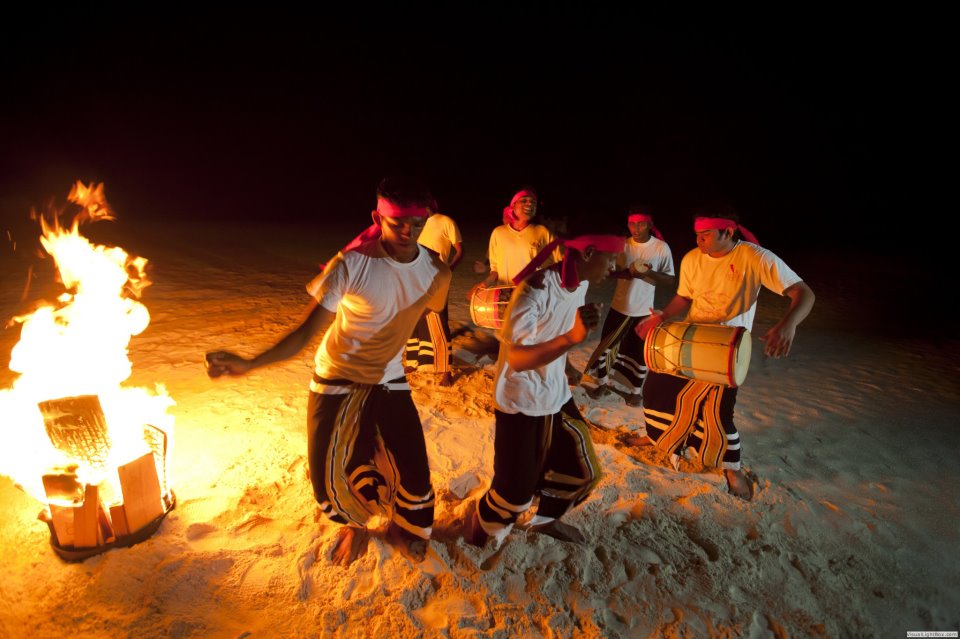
741,363
488,306
639,267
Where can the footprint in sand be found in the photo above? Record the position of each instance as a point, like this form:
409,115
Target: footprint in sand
200,530
710,548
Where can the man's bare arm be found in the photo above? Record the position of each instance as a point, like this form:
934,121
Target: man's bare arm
780,337
677,307
525,357
457,255
316,319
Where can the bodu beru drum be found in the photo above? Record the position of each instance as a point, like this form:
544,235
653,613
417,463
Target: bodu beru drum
706,352
488,306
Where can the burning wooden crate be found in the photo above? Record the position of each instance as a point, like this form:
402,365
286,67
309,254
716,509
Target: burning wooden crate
87,519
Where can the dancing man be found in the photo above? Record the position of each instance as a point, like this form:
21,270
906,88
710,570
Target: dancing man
542,445
366,450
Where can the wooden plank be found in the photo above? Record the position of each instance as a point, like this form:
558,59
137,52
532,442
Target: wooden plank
106,525
86,520
62,524
119,519
156,439
63,491
141,492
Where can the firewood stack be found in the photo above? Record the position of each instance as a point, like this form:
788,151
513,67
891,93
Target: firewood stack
87,519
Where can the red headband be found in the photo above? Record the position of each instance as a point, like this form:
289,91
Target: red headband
568,270
508,215
721,224
643,217
385,208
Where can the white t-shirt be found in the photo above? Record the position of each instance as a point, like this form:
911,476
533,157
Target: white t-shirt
378,301
511,250
634,297
536,316
440,233
724,289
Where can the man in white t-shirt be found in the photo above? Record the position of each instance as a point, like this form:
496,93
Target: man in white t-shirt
542,445
365,445
512,246
518,241
646,262
719,284
430,344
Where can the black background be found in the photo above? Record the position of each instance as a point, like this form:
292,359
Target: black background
808,124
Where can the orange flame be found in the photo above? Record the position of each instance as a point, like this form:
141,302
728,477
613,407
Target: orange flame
79,347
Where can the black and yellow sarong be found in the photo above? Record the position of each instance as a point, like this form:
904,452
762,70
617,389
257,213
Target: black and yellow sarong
431,343
551,457
367,454
684,413
618,355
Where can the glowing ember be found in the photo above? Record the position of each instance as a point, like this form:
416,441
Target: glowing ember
72,360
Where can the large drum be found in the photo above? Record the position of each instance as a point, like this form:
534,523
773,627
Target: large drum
488,306
705,352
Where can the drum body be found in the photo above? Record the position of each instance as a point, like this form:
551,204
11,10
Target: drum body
705,352
488,306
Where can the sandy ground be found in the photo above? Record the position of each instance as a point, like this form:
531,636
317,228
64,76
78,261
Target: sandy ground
852,441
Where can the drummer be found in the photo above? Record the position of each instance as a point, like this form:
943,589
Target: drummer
646,262
517,240
431,341
512,246
719,284
542,444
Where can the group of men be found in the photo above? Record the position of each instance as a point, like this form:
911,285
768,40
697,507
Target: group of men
381,303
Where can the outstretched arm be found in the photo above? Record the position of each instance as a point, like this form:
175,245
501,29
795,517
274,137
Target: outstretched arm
780,337
316,319
524,357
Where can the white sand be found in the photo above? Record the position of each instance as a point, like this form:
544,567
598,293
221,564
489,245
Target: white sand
853,530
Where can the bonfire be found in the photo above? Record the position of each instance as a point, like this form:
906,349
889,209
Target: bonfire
94,452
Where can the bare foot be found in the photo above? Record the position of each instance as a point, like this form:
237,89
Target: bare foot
350,544
559,530
738,484
410,546
447,379
634,440
473,532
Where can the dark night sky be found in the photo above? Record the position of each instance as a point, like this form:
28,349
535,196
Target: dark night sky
237,115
